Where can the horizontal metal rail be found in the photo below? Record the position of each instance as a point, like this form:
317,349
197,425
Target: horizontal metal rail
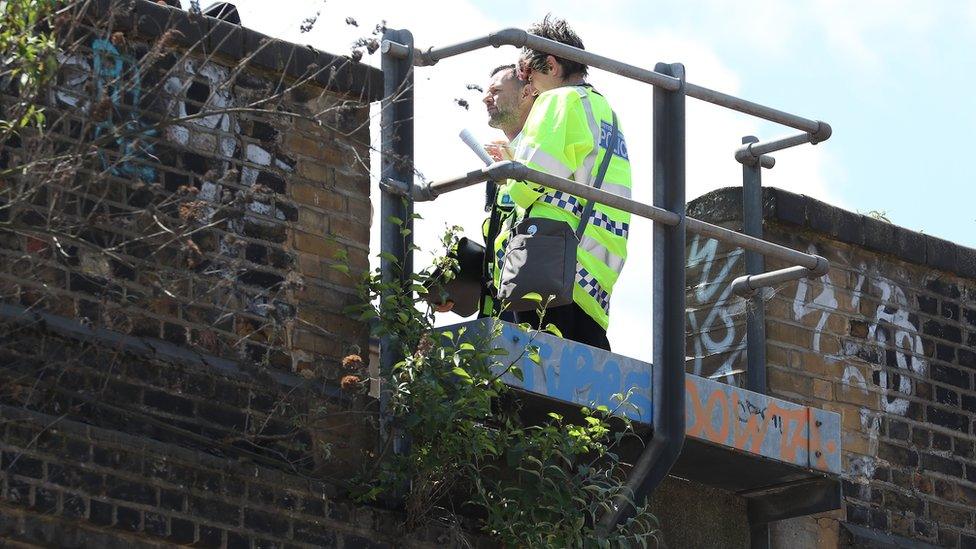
813,264
520,38
750,151
754,244
765,161
748,284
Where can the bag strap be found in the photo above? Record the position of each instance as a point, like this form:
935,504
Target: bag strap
598,182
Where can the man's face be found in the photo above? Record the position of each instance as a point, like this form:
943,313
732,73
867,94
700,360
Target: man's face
502,98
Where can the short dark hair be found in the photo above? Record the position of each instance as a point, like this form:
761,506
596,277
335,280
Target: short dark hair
500,68
558,30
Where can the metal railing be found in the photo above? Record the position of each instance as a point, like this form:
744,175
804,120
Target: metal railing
668,211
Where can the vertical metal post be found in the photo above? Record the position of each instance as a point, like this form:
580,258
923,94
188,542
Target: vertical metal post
396,162
668,308
669,273
752,220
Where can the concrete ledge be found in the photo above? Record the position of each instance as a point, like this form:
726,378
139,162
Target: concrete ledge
725,205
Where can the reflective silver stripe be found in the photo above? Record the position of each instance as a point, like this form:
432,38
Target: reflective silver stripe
616,188
599,252
584,173
589,284
535,155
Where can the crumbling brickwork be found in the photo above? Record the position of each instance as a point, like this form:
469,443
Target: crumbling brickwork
196,182
177,249
887,339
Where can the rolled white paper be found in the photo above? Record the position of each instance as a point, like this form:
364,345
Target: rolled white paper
478,149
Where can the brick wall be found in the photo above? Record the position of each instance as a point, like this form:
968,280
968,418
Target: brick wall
69,484
887,339
217,232
175,259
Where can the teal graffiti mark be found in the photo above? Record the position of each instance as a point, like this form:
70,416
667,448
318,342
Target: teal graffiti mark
118,77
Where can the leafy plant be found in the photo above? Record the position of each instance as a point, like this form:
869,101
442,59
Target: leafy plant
529,485
28,57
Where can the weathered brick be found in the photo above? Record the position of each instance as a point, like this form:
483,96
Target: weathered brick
155,524
74,506
182,531
45,500
263,522
898,430
925,529
100,513
948,538
950,420
17,463
215,510
317,245
325,199
117,459
927,304
855,394
946,515
168,402
941,442
953,376
354,230
314,533
897,455
931,462
209,536
127,518
823,389
319,173
75,477
130,491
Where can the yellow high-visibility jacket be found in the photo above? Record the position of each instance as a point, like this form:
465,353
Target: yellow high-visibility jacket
505,209
567,134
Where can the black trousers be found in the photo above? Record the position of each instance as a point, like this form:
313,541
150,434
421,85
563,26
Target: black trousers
572,322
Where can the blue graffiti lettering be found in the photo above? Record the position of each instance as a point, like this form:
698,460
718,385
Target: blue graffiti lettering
118,78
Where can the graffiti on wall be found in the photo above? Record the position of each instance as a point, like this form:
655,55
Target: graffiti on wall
890,334
117,82
715,412
891,346
578,373
713,329
233,168
762,425
884,359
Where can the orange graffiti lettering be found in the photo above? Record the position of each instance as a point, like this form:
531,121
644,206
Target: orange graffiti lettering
701,425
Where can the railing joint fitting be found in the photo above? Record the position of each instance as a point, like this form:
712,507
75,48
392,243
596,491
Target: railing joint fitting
821,268
823,133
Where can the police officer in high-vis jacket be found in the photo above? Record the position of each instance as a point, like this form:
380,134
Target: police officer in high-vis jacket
508,101
566,134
